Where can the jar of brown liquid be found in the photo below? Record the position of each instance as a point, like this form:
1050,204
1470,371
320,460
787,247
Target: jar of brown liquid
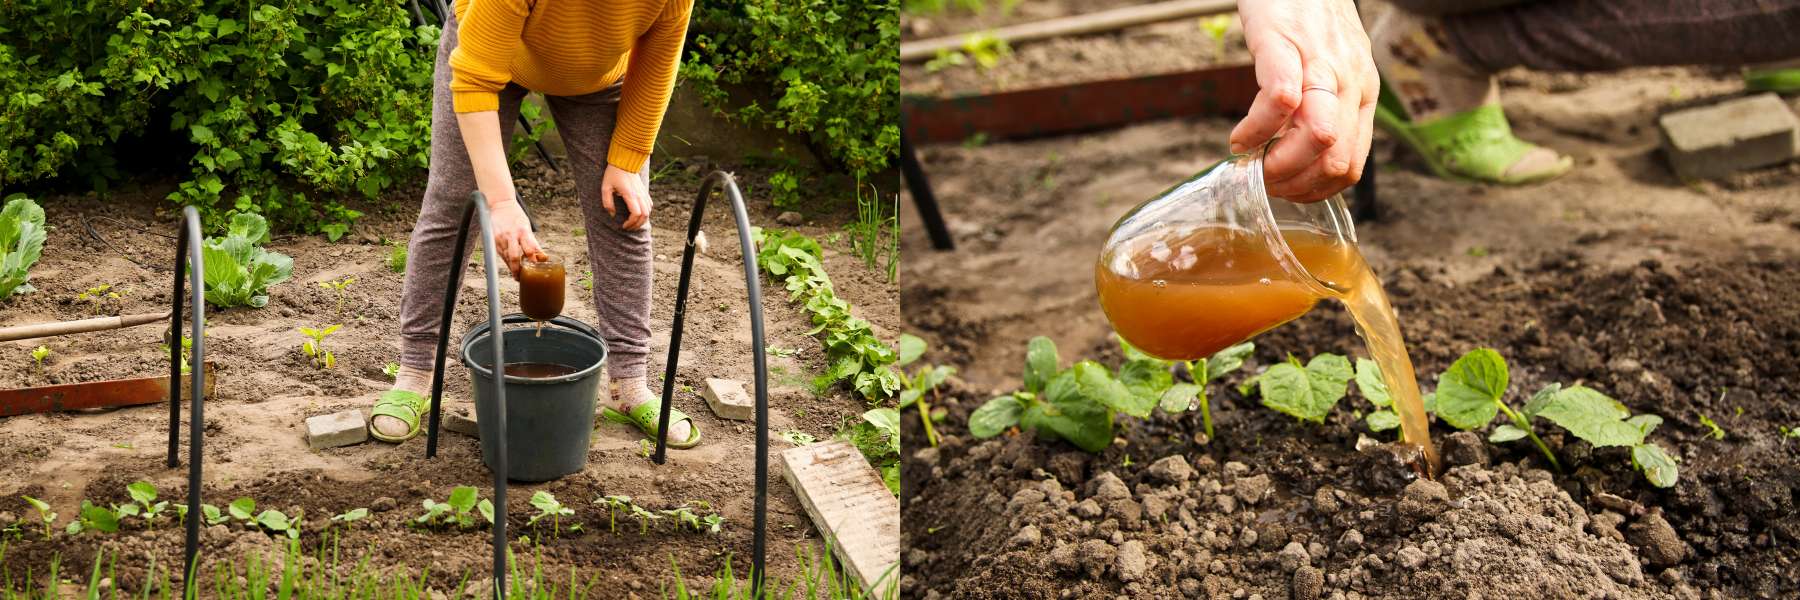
541,284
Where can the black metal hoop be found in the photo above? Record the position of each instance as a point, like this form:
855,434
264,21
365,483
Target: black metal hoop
188,246
477,207
752,285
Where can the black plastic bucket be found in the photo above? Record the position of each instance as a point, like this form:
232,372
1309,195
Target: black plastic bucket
549,420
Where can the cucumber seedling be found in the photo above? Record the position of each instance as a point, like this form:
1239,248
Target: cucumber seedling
548,506
925,380
350,516
1471,393
644,517
1078,404
314,346
1307,391
47,516
341,289
1204,371
38,355
613,505
460,509
144,494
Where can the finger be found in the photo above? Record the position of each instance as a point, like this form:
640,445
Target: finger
606,197
1278,74
1314,131
529,246
1340,159
1365,122
636,205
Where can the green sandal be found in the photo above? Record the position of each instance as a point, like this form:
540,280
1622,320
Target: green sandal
400,404
644,418
1778,80
1475,145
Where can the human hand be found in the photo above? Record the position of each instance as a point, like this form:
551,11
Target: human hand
1319,88
630,188
512,234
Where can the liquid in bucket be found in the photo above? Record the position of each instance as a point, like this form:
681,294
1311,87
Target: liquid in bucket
541,285
537,370
1185,293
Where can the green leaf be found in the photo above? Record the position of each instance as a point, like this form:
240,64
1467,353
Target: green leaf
1093,382
1228,360
1306,393
142,492
886,420
1646,422
1541,399
1382,420
1592,416
242,508
1066,414
98,518
1469,393
911,348
352,515
545,501
1370,383
1506,433
1040,363
1147,379
1658,466
39,505
1179,397
462,498
272,520
486,508
995,416
1132,353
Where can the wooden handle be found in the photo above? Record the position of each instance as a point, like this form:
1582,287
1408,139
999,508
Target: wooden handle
1109,20
38,330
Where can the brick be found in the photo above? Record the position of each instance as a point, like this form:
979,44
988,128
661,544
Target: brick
1742,133
728,399
460,421
337,429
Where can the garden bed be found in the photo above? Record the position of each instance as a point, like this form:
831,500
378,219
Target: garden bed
256,446
1674,298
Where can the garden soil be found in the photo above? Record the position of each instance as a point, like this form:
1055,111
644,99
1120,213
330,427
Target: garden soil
1677,298
255,437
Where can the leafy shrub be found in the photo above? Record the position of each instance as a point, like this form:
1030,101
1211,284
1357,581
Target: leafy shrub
832,65
286,106
238,270
21,243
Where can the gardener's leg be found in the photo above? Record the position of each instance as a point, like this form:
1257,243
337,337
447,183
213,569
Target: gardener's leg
428,267
1450,109
1598,35
620,258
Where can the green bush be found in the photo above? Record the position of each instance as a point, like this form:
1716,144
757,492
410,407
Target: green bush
832,65
285,108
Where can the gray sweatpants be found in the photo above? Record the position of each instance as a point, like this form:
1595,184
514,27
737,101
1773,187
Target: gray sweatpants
1597,35
620,258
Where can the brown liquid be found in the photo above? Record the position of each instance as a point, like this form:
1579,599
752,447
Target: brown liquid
541,289
538,370
1187,295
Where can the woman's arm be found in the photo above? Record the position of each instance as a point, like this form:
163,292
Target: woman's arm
649,81
488,34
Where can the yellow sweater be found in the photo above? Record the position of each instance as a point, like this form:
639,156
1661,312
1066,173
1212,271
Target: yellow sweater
570,48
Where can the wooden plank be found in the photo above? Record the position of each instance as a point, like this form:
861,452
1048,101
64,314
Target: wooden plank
1077,107
1106,20
95,394
846,499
